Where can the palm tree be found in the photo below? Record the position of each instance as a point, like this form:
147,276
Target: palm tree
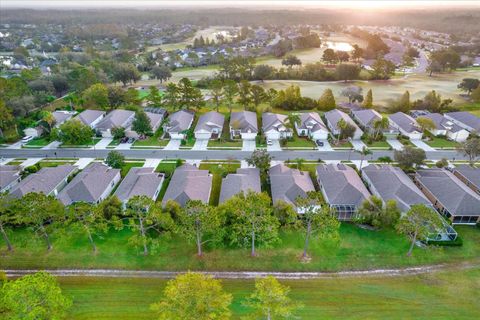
380,124
49,120
341,124
300,162
364,152
292,119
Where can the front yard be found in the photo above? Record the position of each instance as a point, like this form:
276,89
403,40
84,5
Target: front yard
300,142
153,141
92,142
381,144
37,143
441,143
234,144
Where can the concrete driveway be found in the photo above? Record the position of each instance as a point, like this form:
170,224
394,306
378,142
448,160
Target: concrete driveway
248,145
151,163
395,144
173,144
422,145
358,144
30,162
275,146
200,144
103,143
83,162
52,145
124,146
326,146
16,145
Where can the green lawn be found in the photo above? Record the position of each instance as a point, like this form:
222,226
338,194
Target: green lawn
377,144
151,141
225,144
92,142
443,295
219,171
472,108
128,166
343,144
300,142
114,143
440,143
37,143
358,249
188,144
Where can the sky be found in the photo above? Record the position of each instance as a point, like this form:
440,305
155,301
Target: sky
375,4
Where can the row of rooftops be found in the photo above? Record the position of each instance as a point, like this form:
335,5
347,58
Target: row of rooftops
457,191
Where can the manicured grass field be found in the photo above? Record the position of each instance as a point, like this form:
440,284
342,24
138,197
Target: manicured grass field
344,144
357,249
300,142
377,144
451,294
37,143
219,171
440,143
225,144
92,142
151,141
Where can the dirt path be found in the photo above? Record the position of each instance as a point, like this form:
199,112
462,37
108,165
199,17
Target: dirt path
249,274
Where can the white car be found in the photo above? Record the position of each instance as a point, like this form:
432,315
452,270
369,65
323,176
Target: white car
26,139
269,142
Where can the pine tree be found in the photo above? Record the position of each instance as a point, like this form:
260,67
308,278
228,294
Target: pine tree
368,102
327,101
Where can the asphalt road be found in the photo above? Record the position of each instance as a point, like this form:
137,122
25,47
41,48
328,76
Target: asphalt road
215,154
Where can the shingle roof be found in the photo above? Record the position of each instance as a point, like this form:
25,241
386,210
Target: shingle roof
155,119
246,120
274,121
470,173
209,121
180,121
341,184
455,196
334,116
116,118
89,184
466,118
139,182
189,183
393,184
405,122
442,123
366,117
8,174
45,180
312,121
244,180
62,116
89,116
288,184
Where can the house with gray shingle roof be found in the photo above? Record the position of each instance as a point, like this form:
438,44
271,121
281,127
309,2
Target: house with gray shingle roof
140,182
366,118
446,127
465,120
275,126
155,122
9,176
48,180
450,196
469,175
115,119
246,179
209,125
342,189
288,184
90,117
93,184
406,125
178,123
189,183
333,117
311,125
243,124
62,116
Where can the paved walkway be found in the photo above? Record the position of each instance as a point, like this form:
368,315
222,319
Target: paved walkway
326,146
5,160
152,163
52,145
275,146
358,144
395,144
200,144
248,145
357,163
124,146
103,143
83,162
30,162
422,145
16,145
173,144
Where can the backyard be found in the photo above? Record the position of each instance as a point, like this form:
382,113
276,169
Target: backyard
219,171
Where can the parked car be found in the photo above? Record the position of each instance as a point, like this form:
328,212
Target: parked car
319,143
269,142
26,139
131,140
124,140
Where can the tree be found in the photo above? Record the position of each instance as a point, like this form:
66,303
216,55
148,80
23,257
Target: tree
329,56
145,217
357,52
292,119
110,207
6,218
316,221
251,220
291,60
475,95
469,84
471,148
375,213
363,153
231,91
257,94
382,69
327,101
347,72
200,223
49,120
368,101
244,93
154,98
96,96
85,218
379,125
73,132
353,93
270,300
34,297
426,123
262,72
39,212
342,56
347,130
115,159
194,296
403,104
6,118
125,73
172,96
216,90
409,156
118,133
445,60
418,223
162,73
141,123
261,160
189,96
299,162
